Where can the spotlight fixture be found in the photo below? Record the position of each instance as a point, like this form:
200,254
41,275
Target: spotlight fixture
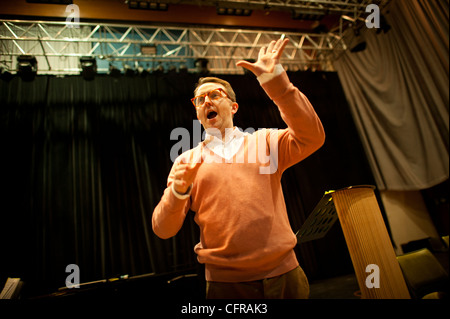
128,70
172,69
360,45
309,15
384,25
26,67
88,67
183,69
148,5
143,72
113,71
5,74
234,11
321,29
201,65
159,69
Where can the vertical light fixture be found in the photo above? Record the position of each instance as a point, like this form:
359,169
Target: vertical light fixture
27,67
88,67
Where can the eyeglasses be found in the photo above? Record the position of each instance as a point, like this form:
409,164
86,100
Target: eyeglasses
213,95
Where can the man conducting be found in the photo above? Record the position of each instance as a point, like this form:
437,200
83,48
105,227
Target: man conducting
232,181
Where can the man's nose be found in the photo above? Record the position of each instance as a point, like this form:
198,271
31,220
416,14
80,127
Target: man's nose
207,101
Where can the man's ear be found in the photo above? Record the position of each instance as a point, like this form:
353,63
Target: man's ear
234,108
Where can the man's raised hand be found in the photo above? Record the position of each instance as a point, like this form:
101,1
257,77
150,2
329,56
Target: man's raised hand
267,58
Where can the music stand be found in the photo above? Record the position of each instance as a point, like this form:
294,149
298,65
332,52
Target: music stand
319,222
367,239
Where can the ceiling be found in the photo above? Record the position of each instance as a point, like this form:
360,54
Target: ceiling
182,30
274,14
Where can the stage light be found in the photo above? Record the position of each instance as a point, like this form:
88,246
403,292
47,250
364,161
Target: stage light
201,65
88,67
159,69
307,15
26,67
128,70
143,72
113,71
360,46
234,11
321,29
360,43
172,69
221,11
147,5
183,69
384,25
5,74
133,4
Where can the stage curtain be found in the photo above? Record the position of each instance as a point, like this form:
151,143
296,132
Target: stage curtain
84,163
397,89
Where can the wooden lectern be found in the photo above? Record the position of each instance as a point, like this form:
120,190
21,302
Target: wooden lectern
366,236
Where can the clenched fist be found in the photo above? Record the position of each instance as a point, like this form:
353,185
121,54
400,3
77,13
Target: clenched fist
184,173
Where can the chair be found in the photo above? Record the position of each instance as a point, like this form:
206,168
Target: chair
424,275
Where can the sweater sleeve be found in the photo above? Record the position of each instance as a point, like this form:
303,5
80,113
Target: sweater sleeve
304,134
170,213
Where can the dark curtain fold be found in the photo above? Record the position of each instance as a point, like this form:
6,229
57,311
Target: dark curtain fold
84,163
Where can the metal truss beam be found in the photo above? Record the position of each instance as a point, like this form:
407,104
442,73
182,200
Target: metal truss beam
53,42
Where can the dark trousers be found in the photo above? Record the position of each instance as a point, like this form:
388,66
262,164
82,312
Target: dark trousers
291,285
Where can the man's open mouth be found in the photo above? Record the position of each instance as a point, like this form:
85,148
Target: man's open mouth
211,115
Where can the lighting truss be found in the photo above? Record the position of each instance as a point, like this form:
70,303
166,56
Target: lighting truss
55,42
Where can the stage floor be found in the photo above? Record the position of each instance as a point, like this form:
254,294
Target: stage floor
342,287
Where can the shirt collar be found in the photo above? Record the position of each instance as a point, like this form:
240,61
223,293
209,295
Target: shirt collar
229,136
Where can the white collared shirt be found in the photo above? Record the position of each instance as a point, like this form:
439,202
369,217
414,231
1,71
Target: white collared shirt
227,148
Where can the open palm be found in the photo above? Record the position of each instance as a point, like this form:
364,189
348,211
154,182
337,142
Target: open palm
267,58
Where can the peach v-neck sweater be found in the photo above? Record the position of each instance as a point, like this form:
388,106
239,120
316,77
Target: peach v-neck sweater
245,233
